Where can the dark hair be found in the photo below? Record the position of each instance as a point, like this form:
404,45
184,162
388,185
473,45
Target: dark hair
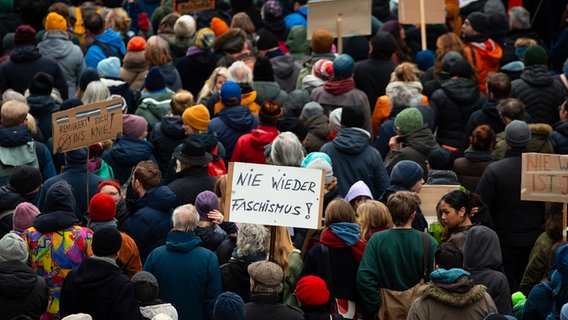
94,22
553,220
448,256
458,199
499,84
512,108
482,138
148,174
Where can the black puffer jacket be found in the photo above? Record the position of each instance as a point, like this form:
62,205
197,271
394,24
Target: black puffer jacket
22,292
9,199
540,92
559,138
453,104
165,137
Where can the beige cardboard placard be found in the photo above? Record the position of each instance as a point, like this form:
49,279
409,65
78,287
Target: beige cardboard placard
274,195
194,5
429,197
86,125
409,11
355,17
544,177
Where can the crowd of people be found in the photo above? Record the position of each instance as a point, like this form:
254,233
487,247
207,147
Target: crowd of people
135,227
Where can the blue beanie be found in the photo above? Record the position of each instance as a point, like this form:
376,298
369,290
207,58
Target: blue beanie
406,173
425,59
109,67
229,306
154,80
230,90
343,66
313,156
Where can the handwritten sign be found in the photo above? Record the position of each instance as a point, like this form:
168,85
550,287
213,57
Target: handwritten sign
194,5
274,195
544,177
355,17
86,125
409,11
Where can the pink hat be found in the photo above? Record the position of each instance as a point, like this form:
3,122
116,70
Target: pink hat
24,216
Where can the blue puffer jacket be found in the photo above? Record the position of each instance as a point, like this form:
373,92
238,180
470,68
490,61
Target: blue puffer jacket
151,221
230,124
125,154
559,137
95,54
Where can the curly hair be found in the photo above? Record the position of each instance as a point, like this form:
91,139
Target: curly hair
253,239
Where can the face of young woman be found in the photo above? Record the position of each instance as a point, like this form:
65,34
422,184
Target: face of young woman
219,82
451,217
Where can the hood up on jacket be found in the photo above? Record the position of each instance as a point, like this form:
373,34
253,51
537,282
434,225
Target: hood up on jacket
171,126
56,44
482,250
17,279
238,117
462,91
130,151
182,241
58,212
95,273
351,140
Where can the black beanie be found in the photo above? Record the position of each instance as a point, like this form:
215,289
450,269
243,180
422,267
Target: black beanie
87,76
266,40
479,22
352,117
106,242
294,125
41,84
461,69
263,70
25,179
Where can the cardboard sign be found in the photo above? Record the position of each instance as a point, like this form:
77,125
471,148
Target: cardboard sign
355,17
86,125
409,11
194,5
429,197
544,177
274,195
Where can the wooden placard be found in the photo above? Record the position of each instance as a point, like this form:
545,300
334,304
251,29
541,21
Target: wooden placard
544,177
429,197
409,11
355,17
194,5
86,125
274,195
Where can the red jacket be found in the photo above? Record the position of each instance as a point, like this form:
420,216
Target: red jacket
250,147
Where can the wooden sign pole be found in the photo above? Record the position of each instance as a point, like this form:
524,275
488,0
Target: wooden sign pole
272,243
564,221
423,25
339,34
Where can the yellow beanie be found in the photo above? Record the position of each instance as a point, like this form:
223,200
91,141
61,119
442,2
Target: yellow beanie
197,117
55,21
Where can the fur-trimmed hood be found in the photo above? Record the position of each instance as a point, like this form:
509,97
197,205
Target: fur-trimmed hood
459,300
541,129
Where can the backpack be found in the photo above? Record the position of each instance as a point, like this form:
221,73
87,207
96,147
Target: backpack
557,298
217,166
108,51
12,157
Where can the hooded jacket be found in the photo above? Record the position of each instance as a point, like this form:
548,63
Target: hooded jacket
416,147
230,124
98,287
125,154
318,132
9,200
56,44
298,45
56,239
269,90
470,168
559,139
482,258
540,92
188,274
22,291
95,54
540,142
134,69
353,159
42,107
25,61
195,68
165,137
250,147
154,106
487,115
451,295
173,79
484,54
151,219
190,182
286,71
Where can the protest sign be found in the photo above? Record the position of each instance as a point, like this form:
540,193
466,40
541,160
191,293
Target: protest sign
274,195
194,5
544,177
86,125
422,12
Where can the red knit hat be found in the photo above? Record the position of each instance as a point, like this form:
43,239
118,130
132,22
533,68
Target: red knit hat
102,207
108,183
312,291
25,34
136,44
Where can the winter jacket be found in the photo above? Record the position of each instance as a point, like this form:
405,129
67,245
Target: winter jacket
293,273
333,99
151,220
188,275
262,304
165,137
250,146
286,71
559,139
117,86
154,106
318,132
98,288
25,61
293,106
540,92
235,276
470,168
541,134
128,256
297,44
453,105
9,200
279,29
416,147
95,54
56,243
538,265
195,68
248,100
393,259
134,69
189,183
353,159
230,124
482,258
56,44
42,107
211,239
298,18
76,176
173,79
22,291
487,115
269,90
459,299
484,54
125,154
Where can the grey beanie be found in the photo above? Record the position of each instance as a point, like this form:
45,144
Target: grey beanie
517,134
145,286
13,247
310,110
449,60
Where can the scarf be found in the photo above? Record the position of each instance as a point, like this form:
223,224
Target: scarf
344,235
338,87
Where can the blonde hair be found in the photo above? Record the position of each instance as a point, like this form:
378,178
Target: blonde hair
120,22
182,100
31,124
219,189
339,210
405,72
521,42
14,113
283,248
11,94
374,214
209,85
